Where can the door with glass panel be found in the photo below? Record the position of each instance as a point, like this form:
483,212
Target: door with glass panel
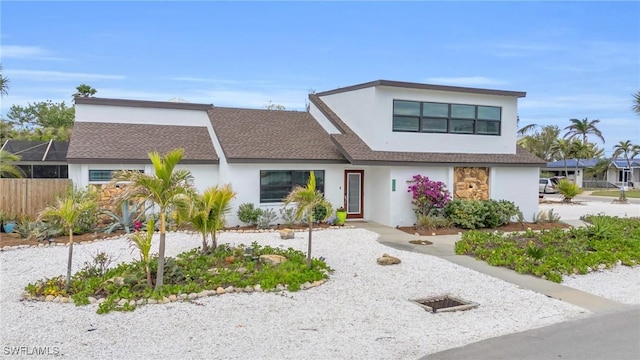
353,188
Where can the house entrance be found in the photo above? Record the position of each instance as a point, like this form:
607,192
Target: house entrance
353,188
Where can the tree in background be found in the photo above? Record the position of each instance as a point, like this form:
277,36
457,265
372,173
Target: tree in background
598,171
561,149
7,168
628,151
540,142
582,128
45,114
84,90
272,106
4,84
636,102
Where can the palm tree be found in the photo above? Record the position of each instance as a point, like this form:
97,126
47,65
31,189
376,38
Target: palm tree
582,128
167,188
636,102
7,168
561,149
208,212
68,211
629,151
142,242
85,90
599,170
307,198
4,84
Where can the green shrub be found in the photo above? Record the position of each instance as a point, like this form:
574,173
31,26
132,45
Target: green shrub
319,213
288,215
248,213
478,214
568,190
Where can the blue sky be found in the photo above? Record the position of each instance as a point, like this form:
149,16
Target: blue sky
574,59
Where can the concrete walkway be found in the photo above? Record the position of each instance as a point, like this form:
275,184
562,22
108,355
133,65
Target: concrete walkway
612,333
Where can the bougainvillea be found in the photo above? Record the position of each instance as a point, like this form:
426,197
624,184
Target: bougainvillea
427,195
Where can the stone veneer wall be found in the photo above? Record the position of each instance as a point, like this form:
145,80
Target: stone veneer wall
471,183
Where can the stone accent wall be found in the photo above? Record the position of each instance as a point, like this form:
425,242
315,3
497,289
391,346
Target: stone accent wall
471,183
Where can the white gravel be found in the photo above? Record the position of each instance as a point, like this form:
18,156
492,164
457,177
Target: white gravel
621,284
361,312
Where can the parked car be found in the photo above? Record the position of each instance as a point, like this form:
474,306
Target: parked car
548,185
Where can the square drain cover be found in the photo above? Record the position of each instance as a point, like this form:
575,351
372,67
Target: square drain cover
444,303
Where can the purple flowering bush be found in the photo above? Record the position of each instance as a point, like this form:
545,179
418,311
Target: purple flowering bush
427,195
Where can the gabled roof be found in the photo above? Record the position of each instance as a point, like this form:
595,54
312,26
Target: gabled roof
411,85
130,143
359,153
37,151
251,136
622,163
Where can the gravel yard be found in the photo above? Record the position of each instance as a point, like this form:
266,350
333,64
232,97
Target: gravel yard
361,312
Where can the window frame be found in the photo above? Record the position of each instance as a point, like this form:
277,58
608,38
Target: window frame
111,172
449,119
320,183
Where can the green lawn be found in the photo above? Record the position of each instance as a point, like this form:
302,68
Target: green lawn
616,193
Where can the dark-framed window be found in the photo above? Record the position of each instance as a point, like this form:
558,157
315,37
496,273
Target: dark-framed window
105,175
45,171
275,185
432,117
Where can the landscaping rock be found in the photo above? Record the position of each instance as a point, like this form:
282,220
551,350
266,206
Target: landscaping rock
151,301
248,289
241,270
272,259
173,298
387,259
49,298
192,296
92,300
220,291
229,289
287,234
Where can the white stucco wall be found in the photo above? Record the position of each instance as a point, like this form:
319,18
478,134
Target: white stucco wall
402,213
369,112
140,115
377,195
517,184
322,120
245,179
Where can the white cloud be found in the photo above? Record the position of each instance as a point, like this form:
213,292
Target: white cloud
468,80
26,52
44,75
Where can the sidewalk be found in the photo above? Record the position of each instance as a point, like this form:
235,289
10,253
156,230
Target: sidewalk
612,333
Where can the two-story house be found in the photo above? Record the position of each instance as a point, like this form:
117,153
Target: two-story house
364,142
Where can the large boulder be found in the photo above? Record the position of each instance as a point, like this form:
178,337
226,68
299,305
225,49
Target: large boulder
272,259
287,234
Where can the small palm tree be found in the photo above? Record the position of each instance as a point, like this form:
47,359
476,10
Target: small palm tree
582,128
208,212
68,211
7,168
307,199
167,188
142,241
568,190
636,102
84,90
4,84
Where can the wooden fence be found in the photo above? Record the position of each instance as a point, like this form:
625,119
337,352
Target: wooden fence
29,196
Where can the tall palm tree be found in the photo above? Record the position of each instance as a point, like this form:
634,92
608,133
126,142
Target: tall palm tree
68,211
208,212
166,188
307,198
4,84
561,149
7,168
636,102
84,90
629,151
582,128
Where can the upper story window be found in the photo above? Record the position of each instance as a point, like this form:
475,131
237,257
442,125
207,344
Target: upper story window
275,185
430,117
104,175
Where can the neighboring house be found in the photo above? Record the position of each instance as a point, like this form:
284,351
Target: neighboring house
568,169
40,159
620,173
364,143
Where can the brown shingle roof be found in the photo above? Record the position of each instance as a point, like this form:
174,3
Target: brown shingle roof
359,153
131,143
250,135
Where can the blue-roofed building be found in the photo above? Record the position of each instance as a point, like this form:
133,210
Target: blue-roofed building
619,173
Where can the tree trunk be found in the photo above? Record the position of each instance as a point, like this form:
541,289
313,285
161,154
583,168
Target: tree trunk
160,275
69,261
146,266
205,247
309,243
214,240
